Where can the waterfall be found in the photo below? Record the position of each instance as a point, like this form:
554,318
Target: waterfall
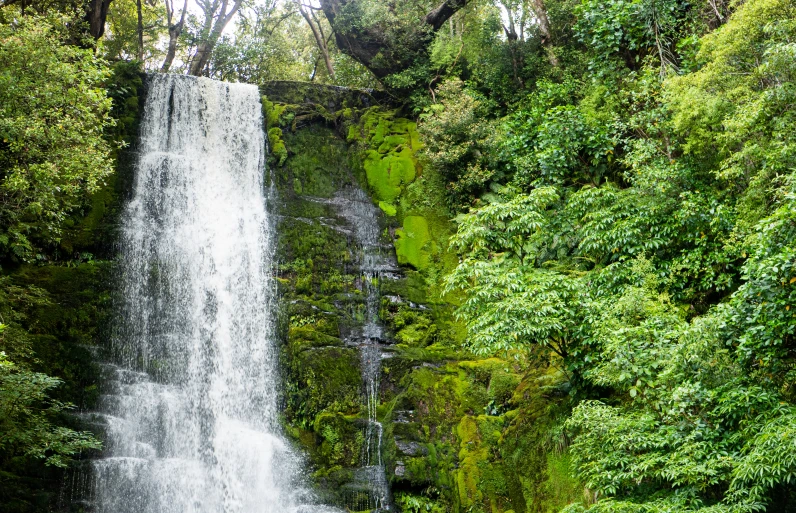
376,263
191,407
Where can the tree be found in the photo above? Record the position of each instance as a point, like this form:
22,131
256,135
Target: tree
271,42
139,30
520,9
134,30
26,418
175,29
217,14
460,141
96,15
644,242
307,12
52,150
385,38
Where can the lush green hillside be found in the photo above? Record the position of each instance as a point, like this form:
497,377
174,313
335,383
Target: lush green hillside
592,205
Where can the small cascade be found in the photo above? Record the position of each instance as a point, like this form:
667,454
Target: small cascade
371,352
370,490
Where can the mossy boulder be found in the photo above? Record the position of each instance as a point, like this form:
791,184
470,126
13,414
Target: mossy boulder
390,156
332,98
412,244
278,151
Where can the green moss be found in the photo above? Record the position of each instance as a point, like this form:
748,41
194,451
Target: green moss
466,463
469,467
502,386
390,159
419,471
483,369
326,379
471,455
277,146
412,245
305,336
388,174
481,479
388,208
70,318
123,87
319,160
341,440
354,134
562,488
412,327
272,112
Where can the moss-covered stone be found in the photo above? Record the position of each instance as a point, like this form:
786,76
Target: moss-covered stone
460,434
391,144
332,98
278,153
412,245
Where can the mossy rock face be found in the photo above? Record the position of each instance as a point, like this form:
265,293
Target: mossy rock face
332,98
412,245
388,174
391,144
461,434
319,161
71,316
341,440
278,151
92,231
481,479
329,380
320,300
446,402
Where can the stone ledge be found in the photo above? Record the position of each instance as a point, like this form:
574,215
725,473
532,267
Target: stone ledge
331,98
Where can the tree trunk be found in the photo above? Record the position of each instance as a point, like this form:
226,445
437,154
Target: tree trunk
443,12
96,14
200,58
204,49
175,29
540,10
174,33
140,29
369,46
319,39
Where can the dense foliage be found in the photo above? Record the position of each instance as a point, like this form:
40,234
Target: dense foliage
27,422
641,239
621,175
56,142
53,111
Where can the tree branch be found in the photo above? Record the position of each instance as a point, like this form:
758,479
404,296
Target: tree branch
440,15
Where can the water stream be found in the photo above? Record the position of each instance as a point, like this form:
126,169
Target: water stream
190,410
376,262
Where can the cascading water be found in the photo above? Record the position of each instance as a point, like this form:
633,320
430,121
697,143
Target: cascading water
376,263
369,489
190,417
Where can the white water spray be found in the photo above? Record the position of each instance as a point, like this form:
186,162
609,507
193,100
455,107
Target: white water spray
191,414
